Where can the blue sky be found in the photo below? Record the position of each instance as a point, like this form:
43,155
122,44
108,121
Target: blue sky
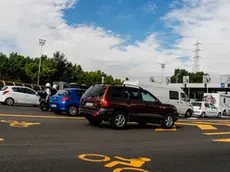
132,19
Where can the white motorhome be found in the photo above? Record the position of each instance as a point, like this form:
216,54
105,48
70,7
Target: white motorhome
169,95
220,100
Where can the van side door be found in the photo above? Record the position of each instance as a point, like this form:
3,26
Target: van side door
174,99
184,104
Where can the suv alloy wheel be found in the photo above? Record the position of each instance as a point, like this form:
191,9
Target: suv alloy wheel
119,119
167,121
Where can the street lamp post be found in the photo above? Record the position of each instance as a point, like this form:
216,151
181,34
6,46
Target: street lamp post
41,43
162,74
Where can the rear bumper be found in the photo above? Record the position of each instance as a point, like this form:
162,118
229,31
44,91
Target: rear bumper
101,113
58,107
2,99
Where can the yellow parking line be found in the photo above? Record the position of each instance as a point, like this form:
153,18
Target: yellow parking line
222,140
216,133
201,126
162,129
192,120
38,116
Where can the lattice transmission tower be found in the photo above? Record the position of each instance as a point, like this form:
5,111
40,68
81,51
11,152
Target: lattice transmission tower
196,64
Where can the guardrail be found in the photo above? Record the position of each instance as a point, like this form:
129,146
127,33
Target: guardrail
11,83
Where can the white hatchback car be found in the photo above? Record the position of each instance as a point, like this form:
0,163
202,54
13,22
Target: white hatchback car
204,109
11,95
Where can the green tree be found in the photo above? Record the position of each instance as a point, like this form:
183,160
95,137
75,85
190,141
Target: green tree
16,67
193,77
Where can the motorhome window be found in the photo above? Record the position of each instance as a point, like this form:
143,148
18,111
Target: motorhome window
147,97
174,95
183,96
132,93
206,105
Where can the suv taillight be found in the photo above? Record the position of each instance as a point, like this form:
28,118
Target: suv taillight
104,103
5,92
64,99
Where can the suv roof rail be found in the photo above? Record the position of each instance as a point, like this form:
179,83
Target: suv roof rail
132,85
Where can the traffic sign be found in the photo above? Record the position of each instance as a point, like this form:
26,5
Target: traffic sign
222,85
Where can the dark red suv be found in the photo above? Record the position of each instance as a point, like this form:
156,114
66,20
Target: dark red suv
119,104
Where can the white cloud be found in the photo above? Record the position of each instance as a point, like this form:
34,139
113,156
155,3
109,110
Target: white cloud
149,8
23,22
208,22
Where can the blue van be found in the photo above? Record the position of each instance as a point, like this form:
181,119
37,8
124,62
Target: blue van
66,100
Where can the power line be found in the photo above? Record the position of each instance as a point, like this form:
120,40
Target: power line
196,64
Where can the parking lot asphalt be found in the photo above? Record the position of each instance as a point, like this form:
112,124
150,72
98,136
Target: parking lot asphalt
31,140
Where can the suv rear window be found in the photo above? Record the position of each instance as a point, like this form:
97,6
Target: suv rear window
63,93
95,91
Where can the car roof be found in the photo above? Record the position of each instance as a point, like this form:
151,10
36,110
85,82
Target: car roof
76,89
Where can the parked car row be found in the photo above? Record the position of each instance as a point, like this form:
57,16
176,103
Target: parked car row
117,104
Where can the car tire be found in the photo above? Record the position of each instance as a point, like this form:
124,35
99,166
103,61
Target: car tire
202,115
167,122
57,112
188,114
94,122
119,120
219,115
72,110
9,101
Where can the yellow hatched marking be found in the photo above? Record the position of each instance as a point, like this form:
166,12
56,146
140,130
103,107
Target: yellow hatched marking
213,123
201,126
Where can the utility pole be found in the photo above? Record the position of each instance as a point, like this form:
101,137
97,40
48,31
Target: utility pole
41,43
196,65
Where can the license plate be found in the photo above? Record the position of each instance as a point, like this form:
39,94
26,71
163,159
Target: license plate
53,105
88,104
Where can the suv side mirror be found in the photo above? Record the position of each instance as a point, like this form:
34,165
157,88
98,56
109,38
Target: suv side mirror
157,101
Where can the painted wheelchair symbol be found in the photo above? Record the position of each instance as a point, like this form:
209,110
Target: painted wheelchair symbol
131,164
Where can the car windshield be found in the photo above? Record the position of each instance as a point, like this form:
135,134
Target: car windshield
196,104
63,93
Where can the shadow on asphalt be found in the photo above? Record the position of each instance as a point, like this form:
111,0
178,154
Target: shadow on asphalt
130,126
